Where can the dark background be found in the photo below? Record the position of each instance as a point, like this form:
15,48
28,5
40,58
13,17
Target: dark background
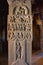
3,24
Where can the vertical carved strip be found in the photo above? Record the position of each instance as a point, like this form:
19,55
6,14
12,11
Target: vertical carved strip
19,32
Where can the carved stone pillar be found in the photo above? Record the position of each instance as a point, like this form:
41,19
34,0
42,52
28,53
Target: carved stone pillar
19,32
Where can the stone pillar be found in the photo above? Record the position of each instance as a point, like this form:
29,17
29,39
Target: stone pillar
19,32
41,36
40,23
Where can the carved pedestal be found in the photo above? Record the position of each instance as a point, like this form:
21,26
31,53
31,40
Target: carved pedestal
19,32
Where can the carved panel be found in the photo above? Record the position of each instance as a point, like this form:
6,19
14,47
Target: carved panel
19,31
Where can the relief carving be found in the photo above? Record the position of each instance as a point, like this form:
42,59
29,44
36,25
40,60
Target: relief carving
18,50
19,27
24,25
